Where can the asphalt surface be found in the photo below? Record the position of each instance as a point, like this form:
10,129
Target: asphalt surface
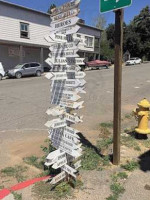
23,102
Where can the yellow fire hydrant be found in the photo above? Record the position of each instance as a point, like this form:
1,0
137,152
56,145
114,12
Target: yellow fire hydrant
142,114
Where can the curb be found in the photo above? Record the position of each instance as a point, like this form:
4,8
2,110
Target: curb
6,192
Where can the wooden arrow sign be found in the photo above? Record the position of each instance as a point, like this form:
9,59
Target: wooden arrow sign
69,170
56,76
70,89
63,24
65,15
56,123
75,61
56,111
54,156
63,47
58,178
65,7
75,105
69,30
71,131
73,118
67,54
60,163
80,75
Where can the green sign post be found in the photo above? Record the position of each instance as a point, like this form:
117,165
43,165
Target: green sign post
108,5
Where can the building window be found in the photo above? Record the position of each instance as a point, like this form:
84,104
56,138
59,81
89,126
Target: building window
24,30
88,41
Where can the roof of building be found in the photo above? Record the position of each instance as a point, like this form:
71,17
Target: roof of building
40,12
25,8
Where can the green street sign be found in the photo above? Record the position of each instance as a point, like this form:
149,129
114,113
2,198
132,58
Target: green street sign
109,5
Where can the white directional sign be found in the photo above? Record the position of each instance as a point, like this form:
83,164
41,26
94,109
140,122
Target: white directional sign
63,47
75,105
65,15
60,163
56,111
71,131
60,25
73,118
56,76
65,53
69,170
65,7
75,61
69,30
56,123
58,178
80,75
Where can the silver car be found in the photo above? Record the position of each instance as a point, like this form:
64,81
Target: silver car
26,69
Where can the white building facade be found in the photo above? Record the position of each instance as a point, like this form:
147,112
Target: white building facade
22,32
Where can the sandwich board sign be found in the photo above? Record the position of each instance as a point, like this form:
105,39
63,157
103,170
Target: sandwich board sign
110,5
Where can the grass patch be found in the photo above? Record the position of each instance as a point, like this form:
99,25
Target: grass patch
130,165
64,189
106,124
104,143
16,172
128,116
34,161
145,143
17,196
117,189
91,160
112,197
1,187
130,142
120,175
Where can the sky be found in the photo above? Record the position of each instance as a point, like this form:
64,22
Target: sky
89,8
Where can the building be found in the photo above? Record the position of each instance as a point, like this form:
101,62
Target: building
22,32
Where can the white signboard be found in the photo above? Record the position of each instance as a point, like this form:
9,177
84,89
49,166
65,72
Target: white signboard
56,111
69,30
65,7
60,163
71,131
58,178
75,105
69,170
73,118
60,25
65,15
67,54
63,47
56,123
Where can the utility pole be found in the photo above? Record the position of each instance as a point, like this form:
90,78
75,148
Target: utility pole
117,84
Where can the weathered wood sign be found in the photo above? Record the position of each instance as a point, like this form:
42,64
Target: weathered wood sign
67,81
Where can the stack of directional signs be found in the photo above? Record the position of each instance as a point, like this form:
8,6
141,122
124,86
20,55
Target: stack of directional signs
67,84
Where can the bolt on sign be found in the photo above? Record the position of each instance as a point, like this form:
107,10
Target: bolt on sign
109,5
67,82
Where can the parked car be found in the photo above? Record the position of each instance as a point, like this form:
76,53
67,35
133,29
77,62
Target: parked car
25,69
97,64
2,72
133,61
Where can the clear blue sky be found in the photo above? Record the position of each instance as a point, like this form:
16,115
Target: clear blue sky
89,8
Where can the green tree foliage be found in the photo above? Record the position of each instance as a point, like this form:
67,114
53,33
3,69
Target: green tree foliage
50,8
136,35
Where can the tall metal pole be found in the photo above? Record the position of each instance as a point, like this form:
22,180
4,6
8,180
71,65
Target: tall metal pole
117,85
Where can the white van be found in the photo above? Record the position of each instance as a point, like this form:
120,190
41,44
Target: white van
2,72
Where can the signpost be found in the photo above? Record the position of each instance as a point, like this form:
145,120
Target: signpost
67,82
105,6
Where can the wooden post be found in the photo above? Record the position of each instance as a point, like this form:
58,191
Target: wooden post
117,85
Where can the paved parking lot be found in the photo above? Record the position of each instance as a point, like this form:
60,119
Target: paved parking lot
23,102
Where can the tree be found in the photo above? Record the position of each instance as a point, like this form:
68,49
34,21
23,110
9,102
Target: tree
50,8
106,52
